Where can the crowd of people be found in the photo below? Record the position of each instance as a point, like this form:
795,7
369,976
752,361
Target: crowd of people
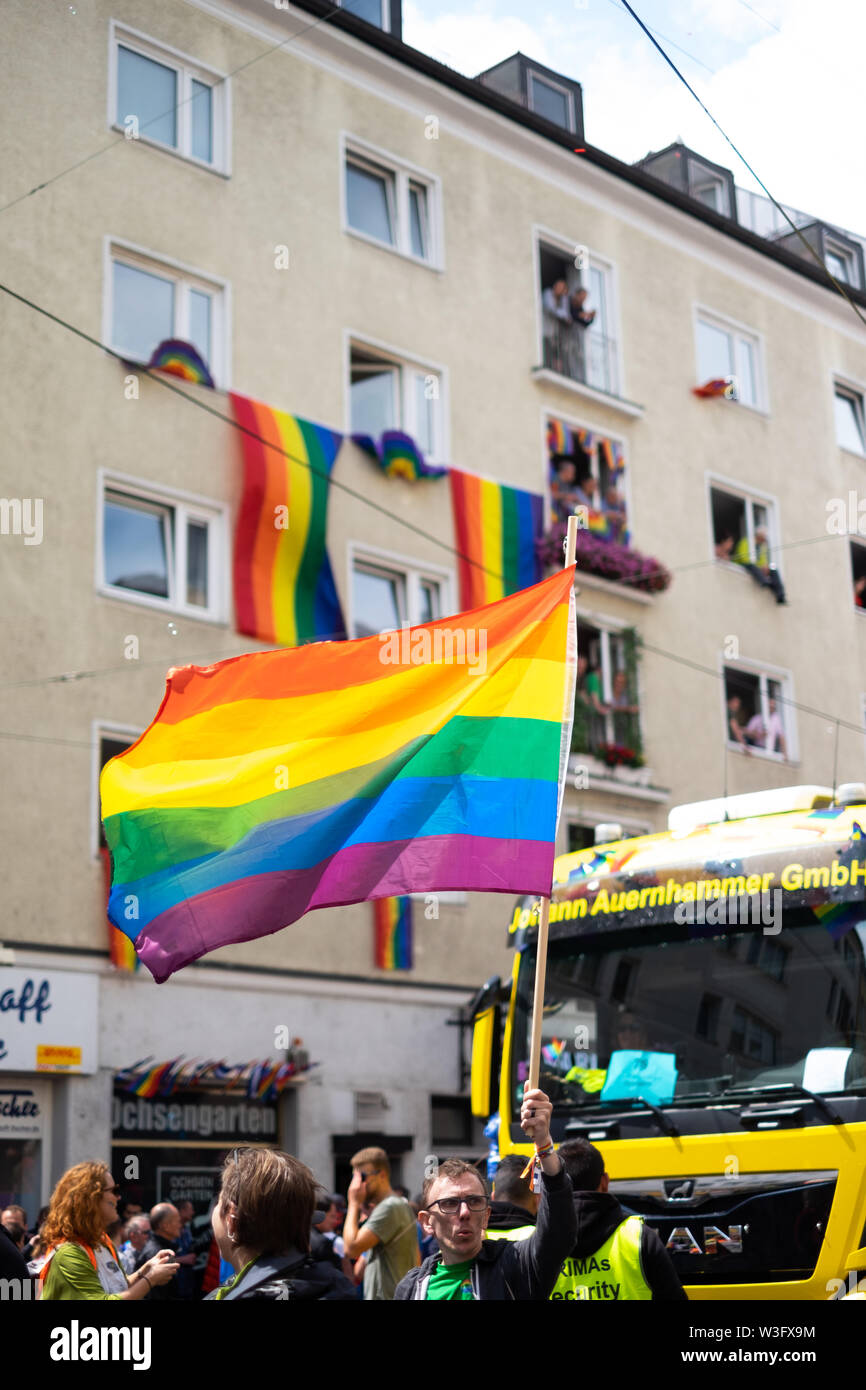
276,1234
574,487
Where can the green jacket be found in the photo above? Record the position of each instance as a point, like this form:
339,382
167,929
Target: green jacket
72,1276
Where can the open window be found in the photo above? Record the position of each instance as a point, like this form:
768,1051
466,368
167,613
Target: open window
606,709
577,315
744,527
390,393
588,470
850,424
858,574
758,713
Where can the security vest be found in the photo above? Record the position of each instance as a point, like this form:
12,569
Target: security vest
611,1273
515,1233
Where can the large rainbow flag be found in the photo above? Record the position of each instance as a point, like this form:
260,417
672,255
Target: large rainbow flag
496,529
277,782
284,586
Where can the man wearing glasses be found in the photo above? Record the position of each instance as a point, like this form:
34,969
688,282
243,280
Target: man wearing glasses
456,1209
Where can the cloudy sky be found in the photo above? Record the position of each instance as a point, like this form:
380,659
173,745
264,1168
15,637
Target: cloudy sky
783,78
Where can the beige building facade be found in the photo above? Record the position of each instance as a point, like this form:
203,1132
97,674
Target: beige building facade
248,210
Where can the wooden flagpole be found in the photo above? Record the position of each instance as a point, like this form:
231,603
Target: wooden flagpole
541,958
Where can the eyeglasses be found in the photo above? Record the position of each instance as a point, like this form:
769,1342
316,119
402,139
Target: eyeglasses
449,1206
115,1189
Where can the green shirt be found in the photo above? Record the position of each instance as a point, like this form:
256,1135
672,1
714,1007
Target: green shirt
72,1276
451,1281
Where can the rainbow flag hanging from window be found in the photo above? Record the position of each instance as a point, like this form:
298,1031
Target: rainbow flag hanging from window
398,455
393,926
180,358
278,782
283,583
496,529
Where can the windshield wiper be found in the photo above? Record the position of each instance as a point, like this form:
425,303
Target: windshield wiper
791,1088
623,1105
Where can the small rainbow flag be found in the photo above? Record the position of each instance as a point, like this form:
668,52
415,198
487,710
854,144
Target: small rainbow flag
717,387
284,586
181,359
496,529
281,781
393,925
398,455
839,918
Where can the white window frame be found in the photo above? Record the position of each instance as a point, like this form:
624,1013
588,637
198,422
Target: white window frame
187,507
575,423
567,247
848,258
740,332
189,69
185,278
750,496
410,569
554,86
608,628
765,672
710,181
100,729
844,386
403,173
409,367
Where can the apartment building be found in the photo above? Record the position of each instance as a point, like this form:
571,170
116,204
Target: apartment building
351,232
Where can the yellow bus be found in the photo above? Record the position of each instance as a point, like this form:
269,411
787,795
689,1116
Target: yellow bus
705,1026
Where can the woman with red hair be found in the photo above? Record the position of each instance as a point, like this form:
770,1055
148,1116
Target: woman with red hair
82,1262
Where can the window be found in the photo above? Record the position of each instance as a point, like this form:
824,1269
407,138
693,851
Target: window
858,575
841,263
109,740
551,101
606,681
726,351
624,980
167,99
387,394
768,955
167,552
392,203
599,472
707,1024
376,12
580,837
744,527
751,1038
149,300
850,432
710,192
758,713
388,595
451,1121
585,352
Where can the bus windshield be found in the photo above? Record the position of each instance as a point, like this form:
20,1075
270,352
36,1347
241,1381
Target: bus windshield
741,1009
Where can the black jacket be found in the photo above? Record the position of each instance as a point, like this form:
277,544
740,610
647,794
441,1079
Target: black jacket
507,1216
515,1269
290,1276
598,1214
160,1293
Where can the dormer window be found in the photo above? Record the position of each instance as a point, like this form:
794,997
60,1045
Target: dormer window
551,101
841,263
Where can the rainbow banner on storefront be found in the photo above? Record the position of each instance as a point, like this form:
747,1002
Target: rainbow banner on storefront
496,529
283,583
278,782
392,918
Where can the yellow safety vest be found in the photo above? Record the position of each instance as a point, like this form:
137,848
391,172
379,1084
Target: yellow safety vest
611,1273
517,1233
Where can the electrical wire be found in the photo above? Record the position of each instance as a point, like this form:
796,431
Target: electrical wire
684,51
811,250
124,140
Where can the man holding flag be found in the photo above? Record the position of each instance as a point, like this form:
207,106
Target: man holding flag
456,1208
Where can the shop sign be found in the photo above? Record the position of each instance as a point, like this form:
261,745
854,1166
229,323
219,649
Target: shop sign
191,1117
48,1020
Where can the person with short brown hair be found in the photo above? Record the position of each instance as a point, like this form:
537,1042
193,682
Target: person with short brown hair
456,1211
262,1226
389,1234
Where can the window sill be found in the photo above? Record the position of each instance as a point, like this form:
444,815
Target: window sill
550,378
176,154
762,754
394,250
159,605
